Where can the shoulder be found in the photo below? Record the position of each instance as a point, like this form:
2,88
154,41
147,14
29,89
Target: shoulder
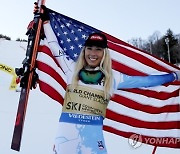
117,78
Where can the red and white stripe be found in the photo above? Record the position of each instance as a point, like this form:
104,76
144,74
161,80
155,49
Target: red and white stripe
151,112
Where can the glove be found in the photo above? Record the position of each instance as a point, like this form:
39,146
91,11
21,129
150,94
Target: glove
178,75
23,78
45,15
35,80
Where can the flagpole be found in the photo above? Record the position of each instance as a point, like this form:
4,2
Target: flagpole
154,149
28,65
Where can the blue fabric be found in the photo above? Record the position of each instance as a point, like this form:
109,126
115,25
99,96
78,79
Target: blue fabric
145,81
79,139
81,119
77,33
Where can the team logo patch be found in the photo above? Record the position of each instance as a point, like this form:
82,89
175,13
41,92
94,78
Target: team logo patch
100,145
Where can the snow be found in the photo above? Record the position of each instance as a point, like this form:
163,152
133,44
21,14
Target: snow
42,115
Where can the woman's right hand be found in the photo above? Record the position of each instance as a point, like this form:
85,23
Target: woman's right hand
44,15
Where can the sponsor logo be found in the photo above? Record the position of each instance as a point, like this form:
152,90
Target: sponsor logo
96,37
84,117
135,140
11,71
6,68
100,145
73,106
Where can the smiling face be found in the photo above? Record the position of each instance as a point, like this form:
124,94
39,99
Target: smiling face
93,55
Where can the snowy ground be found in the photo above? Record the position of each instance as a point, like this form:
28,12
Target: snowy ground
42,115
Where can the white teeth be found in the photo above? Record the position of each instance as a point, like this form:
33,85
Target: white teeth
92,59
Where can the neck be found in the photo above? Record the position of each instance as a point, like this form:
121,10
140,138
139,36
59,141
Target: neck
91,68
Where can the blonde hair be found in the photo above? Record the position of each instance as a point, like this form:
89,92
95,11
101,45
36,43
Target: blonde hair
105,67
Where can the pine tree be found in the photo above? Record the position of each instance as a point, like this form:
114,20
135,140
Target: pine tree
171,42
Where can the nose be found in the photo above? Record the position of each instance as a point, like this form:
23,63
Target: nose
93,52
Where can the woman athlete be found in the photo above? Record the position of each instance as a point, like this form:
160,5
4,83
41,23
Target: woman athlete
90,84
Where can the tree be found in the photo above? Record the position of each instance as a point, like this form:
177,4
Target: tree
178,48
139,43
5,37
21,40
157,46
173,46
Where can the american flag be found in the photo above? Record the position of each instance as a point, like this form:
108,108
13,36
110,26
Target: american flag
153,113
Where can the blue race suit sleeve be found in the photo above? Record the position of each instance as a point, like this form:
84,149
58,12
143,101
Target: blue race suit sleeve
145,81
